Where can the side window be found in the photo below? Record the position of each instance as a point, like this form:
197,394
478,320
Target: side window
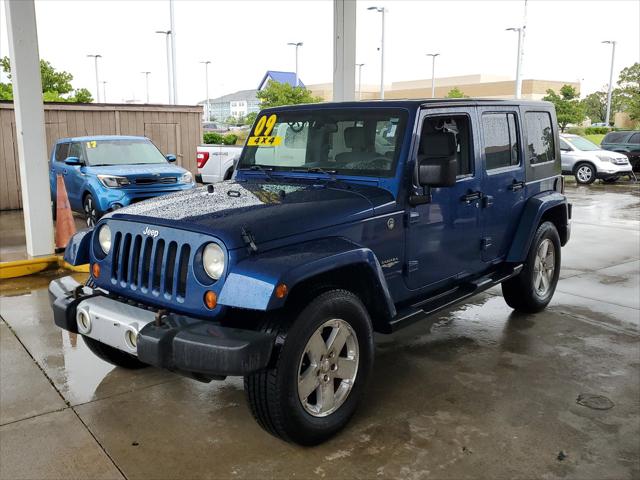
564,146
62,152
460,126
501,147
75,150
635,138
540,143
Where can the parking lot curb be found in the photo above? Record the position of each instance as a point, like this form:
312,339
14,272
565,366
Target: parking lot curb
21,268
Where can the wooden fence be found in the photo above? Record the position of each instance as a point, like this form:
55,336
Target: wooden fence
174,129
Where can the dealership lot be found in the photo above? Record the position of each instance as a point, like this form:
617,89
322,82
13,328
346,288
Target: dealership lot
476,392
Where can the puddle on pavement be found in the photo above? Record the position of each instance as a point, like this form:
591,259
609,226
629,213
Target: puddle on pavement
13,287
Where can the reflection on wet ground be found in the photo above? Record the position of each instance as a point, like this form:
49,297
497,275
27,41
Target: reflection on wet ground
474,392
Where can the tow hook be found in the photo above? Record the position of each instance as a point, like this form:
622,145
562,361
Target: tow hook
160,314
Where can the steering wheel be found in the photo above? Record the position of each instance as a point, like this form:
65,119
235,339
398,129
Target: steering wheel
296,126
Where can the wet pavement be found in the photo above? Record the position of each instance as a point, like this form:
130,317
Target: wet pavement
477,392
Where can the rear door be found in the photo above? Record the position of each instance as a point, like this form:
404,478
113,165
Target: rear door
74,176
503,179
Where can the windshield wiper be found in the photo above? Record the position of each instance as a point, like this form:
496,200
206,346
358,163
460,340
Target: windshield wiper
259,168
315,170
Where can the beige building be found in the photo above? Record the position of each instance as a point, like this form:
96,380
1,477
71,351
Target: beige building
480,85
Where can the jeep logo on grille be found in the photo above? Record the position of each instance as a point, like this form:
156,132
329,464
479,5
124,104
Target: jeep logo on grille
151,233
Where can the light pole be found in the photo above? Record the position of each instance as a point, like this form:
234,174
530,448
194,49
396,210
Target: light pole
381,10
95,59
518,60
104,91
613,54
174,74
167,34
206,88
146,82
359,65
433,73
297,45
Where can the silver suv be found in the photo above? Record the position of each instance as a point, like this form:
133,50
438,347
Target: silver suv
587,161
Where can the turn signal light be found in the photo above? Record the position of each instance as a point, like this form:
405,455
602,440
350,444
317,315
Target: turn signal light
95,270
210,299
281,290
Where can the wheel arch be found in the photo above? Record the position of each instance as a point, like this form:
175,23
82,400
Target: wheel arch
582,162
306,269
551,207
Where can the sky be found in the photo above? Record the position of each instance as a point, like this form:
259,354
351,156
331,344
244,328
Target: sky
245,38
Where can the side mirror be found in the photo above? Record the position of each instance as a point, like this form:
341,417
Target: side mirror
171,158
438,172
74,161
565,149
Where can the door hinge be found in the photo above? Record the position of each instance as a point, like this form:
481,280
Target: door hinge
486,243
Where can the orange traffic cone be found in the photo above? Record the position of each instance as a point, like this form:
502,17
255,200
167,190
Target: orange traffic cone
65,226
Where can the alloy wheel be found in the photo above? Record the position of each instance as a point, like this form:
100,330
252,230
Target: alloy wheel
90,211
584,173
328,368
544,267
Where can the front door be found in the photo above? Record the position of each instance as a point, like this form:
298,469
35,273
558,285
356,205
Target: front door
503,179
444,234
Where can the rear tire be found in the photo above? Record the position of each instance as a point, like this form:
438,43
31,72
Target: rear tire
313,384
585,173
113,355
532,290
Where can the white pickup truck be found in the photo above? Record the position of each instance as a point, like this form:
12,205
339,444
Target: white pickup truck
215,162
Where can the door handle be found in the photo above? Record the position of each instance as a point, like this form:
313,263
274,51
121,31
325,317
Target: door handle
471,197
515,186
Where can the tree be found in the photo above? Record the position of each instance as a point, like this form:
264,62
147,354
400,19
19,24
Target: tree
629,90
231,120
250,118
276,94
569,109
455,92
56,85
595,106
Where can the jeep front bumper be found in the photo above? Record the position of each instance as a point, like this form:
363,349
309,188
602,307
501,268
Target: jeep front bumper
176,342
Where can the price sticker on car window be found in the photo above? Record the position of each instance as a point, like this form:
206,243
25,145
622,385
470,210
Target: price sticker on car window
262,133
92,144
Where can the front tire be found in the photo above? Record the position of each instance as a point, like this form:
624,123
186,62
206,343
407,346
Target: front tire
585,173
532,290
113,355
91,213
313,385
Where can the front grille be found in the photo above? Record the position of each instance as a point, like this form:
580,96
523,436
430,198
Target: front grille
154,180
150,265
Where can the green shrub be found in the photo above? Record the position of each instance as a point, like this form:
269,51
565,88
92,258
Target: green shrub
230,139
212,138
597,130
576,131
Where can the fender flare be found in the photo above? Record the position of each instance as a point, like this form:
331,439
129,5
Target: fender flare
78,249
532,214
251,283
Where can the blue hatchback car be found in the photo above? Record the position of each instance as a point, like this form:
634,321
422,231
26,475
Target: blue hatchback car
104,173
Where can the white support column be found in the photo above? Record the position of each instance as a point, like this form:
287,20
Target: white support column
344,50
29,111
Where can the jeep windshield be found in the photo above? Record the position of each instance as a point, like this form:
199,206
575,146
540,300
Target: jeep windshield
121,152
354,141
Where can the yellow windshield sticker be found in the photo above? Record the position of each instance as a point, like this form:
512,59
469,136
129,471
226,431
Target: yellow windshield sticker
92,144
264,141
264,126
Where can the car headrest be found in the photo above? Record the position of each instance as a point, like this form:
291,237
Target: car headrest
354,138
438,144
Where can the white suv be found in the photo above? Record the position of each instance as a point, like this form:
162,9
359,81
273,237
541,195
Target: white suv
587,161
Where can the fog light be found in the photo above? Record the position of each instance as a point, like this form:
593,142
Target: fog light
210,299
95,270
84,322
131,339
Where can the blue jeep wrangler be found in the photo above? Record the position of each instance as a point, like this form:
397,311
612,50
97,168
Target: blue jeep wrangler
343,219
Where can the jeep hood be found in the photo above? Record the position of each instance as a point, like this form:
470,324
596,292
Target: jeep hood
267,209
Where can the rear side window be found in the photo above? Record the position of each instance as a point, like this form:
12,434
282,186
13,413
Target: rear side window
540,143
500,140
62,152
635,138
614,137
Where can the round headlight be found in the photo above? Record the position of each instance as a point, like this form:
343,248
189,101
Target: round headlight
213,260
104,238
